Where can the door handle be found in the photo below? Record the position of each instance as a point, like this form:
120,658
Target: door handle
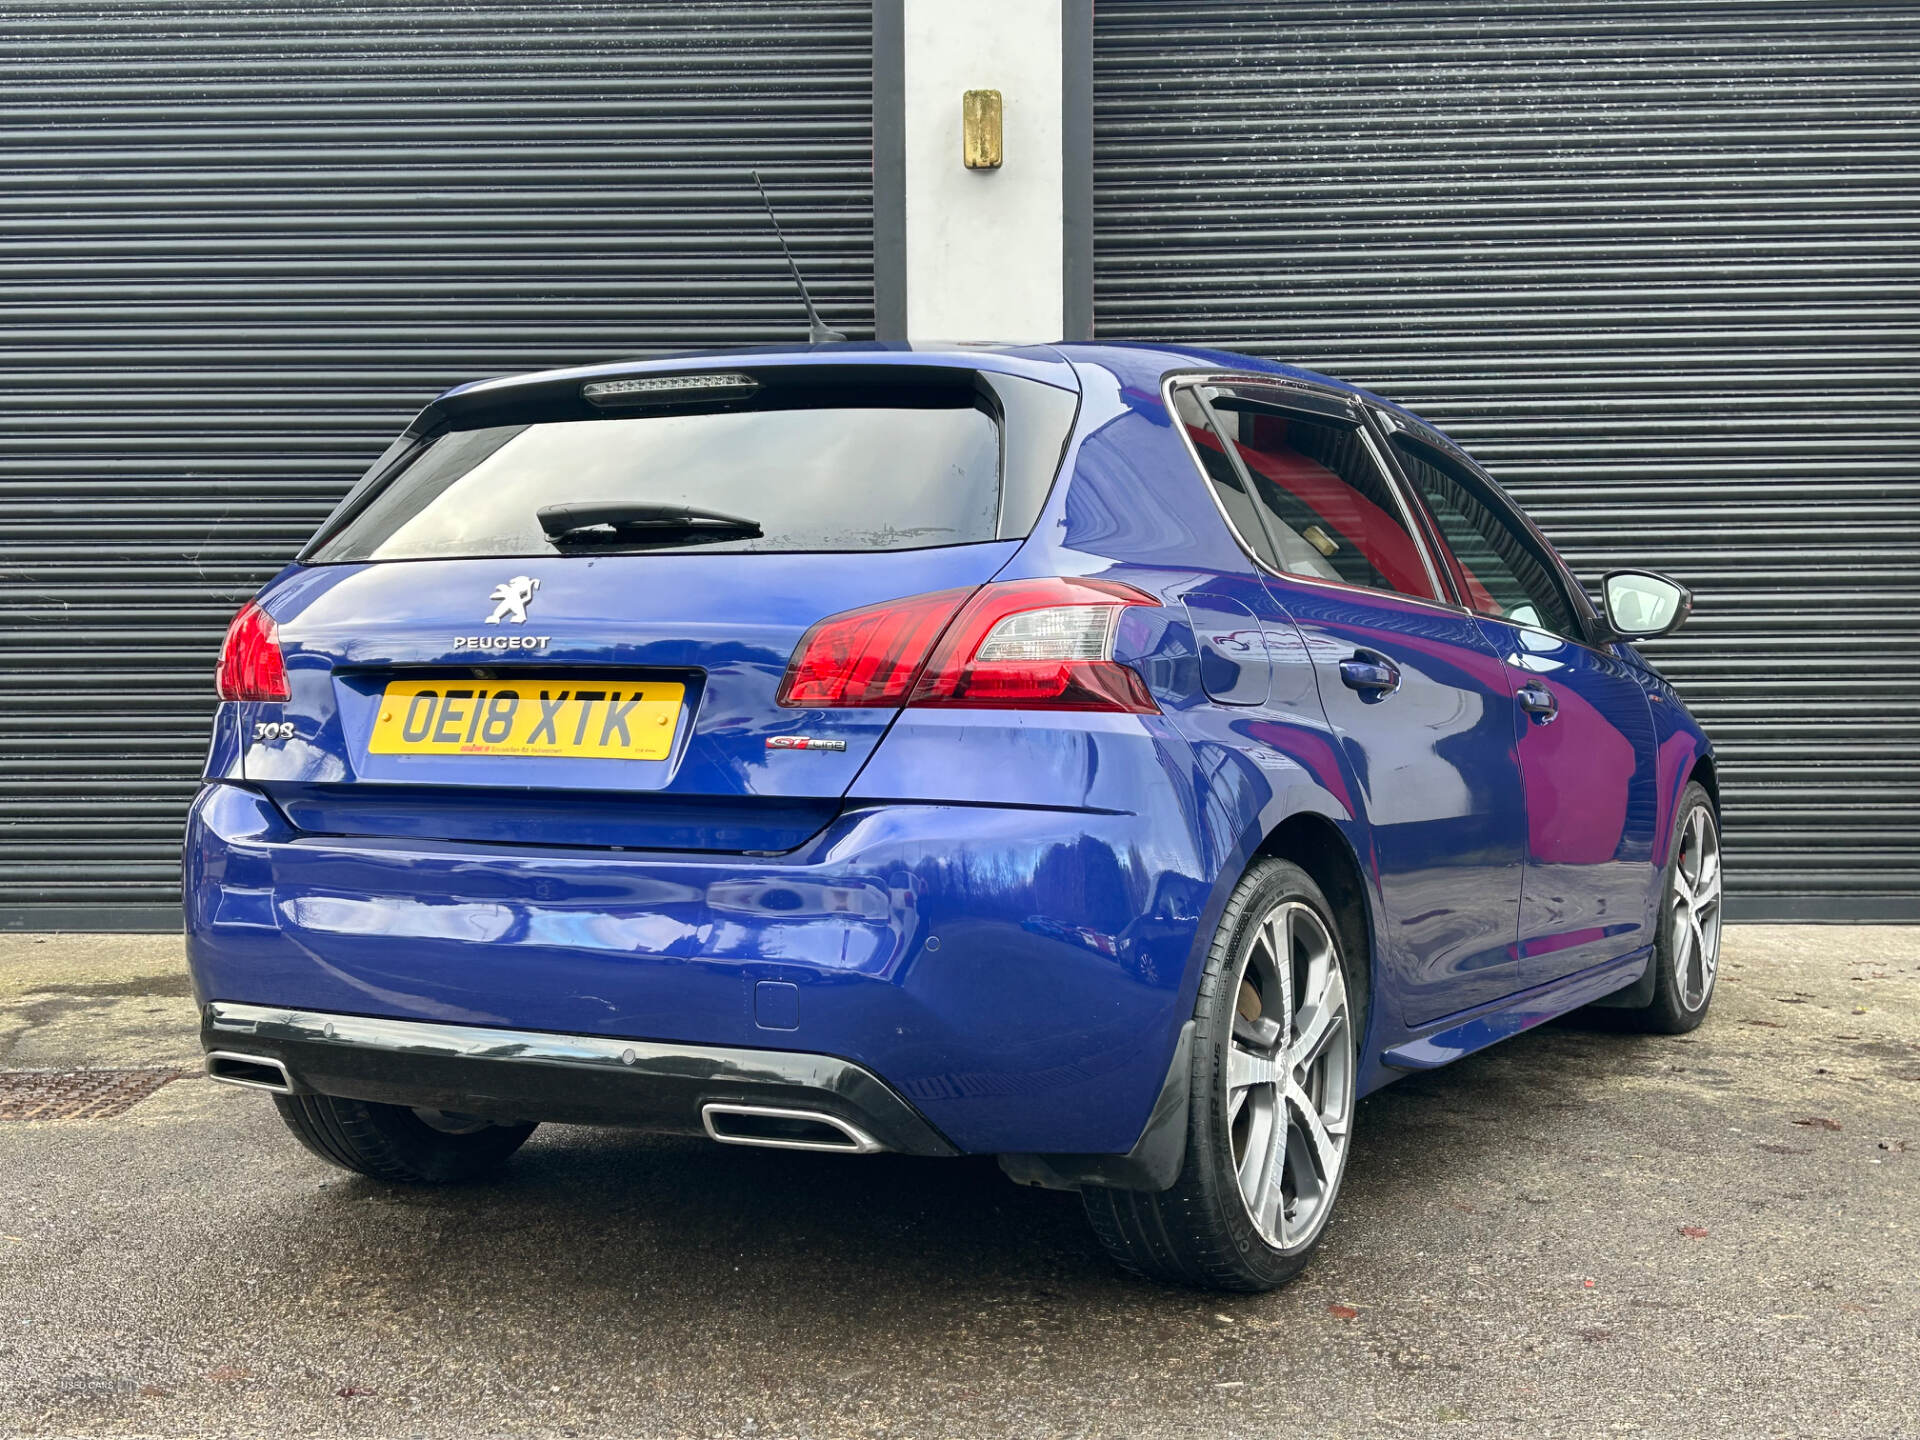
1373,675
1538,701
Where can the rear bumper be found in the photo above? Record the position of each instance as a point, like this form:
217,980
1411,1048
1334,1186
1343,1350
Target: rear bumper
518,1075
1017,977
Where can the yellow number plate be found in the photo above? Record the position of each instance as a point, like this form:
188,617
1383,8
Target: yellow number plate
583,719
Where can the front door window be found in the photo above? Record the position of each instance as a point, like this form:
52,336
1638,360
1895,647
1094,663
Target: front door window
1502,576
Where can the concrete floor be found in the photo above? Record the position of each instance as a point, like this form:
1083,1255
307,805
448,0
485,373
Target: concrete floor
1578,1233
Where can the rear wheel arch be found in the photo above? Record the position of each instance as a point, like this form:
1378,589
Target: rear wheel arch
1313,842
1317,846
1269,1100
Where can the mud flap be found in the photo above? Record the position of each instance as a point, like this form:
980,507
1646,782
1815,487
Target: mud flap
1156,1157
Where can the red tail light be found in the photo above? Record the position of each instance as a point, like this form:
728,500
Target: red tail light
867,656
250,663
1018,645
1037,645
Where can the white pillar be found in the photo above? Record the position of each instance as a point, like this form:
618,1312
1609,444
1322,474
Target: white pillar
984,253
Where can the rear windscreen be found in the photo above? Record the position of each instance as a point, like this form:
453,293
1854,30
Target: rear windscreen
835,478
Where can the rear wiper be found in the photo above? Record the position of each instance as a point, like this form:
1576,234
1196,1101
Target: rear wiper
632,522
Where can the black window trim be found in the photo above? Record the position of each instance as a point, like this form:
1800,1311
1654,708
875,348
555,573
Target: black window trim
405,449
1352,412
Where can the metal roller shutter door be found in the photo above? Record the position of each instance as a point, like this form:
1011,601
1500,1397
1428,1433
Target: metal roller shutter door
239,244
1654,264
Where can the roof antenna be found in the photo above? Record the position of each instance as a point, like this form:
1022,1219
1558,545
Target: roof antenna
818,332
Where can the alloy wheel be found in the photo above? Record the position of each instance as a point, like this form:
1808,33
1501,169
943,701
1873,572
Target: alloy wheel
1696,909
1290,1076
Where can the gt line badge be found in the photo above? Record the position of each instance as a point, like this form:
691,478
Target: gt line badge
803,742
514,596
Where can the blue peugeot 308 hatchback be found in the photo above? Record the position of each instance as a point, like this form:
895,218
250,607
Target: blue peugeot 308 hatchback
1116,760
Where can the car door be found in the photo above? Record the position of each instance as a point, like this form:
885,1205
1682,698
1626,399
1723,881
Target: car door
1583,725
1412,690
1265,708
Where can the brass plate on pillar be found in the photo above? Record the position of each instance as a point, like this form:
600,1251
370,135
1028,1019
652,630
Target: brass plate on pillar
980,129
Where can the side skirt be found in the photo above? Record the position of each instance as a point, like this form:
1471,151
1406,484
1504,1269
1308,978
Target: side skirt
1462,1033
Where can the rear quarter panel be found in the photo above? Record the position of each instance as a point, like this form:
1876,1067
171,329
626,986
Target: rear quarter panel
1205,783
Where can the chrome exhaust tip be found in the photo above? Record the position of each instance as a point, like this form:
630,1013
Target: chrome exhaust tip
777,1129
250,1072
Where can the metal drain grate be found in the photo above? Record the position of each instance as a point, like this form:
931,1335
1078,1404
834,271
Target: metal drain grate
77,1094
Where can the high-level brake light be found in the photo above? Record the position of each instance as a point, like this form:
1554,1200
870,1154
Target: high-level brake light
668,389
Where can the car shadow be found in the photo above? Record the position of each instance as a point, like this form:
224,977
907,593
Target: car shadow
622,1215
1464,1123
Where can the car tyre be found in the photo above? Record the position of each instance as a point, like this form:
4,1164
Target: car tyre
1274,1039
392,1142
1686,945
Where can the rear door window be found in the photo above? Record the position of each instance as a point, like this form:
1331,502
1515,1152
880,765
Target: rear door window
1325,508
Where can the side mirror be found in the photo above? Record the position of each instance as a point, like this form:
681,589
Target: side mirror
1641,604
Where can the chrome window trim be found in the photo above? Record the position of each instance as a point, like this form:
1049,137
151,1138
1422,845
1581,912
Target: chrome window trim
1416,531
1175,379
1168,383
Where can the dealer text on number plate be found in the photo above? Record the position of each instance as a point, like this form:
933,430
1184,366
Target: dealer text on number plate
590,719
